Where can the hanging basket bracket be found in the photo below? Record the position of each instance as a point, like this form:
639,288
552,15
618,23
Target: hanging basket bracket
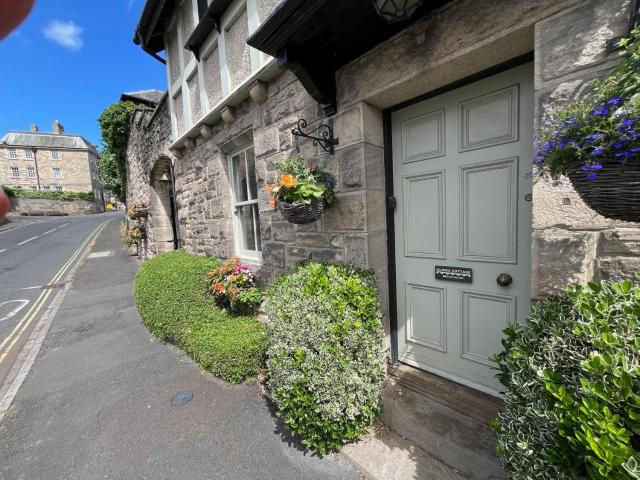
321,135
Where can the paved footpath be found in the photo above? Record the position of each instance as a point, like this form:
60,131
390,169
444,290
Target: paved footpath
96,404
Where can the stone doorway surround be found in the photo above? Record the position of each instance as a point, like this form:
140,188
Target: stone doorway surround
160,225
447,49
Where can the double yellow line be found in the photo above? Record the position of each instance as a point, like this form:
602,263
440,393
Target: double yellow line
13,337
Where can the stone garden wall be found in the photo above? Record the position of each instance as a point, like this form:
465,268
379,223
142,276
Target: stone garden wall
38,206
148,144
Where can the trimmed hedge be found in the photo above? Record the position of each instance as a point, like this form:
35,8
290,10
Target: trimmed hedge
572,405
326,353
48,194
174,303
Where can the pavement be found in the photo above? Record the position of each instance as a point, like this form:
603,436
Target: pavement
96,403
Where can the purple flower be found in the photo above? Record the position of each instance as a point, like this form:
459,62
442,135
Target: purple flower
592,176
586,167
634,149
596,166
627,122
597,151
601,110
615,101
618,145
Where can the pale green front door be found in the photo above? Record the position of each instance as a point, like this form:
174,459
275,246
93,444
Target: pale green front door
462,180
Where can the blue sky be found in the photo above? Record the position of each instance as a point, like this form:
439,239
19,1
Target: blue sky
68,61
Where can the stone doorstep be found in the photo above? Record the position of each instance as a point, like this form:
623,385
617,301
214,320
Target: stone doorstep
446,420
385,455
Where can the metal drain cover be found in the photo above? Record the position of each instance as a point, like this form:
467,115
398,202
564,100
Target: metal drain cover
182,398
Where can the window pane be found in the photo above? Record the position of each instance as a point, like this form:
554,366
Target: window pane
251,171
245,217
239,177
257,217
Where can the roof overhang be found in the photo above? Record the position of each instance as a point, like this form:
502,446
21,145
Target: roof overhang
209,21
149,32
314,38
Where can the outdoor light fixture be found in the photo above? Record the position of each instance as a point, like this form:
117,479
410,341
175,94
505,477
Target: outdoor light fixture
164,177
396,10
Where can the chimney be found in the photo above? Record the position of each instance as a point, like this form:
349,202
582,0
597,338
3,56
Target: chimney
34,127
58,128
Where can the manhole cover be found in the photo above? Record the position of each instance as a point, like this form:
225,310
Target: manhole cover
182,398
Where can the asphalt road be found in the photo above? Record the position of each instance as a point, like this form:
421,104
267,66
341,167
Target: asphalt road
31,254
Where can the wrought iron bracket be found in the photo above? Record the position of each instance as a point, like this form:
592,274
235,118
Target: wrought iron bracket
324,138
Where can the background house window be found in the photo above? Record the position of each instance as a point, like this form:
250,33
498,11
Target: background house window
33,187
28,153
56,172
15,172
46,187
31,172
245,204
12,153
59,188
54,154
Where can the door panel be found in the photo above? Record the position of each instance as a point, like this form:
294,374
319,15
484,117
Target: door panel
460,164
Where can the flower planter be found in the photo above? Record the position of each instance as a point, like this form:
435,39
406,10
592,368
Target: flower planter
301,214
614,194
141,214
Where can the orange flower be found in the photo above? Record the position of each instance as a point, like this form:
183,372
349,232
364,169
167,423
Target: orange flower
219,287
272,202
288,180
269,187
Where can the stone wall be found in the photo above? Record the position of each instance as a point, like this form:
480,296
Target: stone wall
37,206
148,146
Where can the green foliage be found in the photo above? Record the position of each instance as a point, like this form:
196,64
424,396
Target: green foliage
114,124
573,386
48,194
326,353
174,303
301,182
234,286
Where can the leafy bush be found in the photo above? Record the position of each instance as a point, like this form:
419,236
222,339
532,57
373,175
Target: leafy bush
48,194
573,386
326,353
173,300
233,285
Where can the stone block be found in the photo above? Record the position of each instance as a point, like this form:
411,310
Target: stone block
376,210
273,254
347,213
318,240
579,34
561,257
265,141
283,231
296,254
374,167
372,125
348,126
352,167
617,268
621,241
355,250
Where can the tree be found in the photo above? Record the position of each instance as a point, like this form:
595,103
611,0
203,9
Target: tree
114,123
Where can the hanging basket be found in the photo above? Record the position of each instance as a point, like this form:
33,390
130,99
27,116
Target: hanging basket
141,213
300,213
614,194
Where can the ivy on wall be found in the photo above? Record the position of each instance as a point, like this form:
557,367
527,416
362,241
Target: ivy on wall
114,124
47,194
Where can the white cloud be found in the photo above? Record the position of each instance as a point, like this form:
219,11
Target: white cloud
64,33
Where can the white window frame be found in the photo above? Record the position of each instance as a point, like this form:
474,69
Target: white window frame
29,170
28,153
250,256
54,155
13,153
15,172
58,188
53,172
